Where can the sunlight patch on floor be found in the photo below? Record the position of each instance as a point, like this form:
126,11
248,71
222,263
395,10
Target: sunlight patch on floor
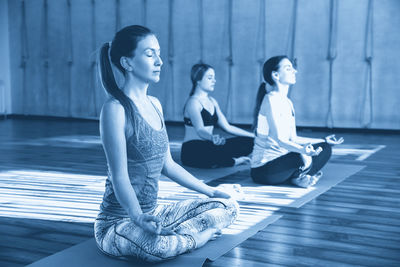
70,197
50,195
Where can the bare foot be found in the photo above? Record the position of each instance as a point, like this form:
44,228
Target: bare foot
216,235
241,160
203,237
307,180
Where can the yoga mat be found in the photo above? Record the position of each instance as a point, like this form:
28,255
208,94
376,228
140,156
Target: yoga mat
293,196
286,195
87,254
257,211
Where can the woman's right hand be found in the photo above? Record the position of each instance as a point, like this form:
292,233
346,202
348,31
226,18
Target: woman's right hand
218,140
151,224
309,150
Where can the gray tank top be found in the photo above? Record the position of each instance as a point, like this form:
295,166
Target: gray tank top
146,149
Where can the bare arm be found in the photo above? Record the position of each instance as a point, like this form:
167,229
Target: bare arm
226,126
112,131
193,109
178,174
269,109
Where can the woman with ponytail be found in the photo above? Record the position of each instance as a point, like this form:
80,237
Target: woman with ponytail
202,148
130,223
279,155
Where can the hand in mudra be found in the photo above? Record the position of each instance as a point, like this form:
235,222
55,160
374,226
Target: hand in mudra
309,150
331,139
151,224
218,140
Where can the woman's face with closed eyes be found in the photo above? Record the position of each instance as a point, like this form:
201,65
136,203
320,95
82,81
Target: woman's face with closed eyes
286,72
146,62
208,81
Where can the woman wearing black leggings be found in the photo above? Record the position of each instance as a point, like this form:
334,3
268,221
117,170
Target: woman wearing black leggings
201,148
279,155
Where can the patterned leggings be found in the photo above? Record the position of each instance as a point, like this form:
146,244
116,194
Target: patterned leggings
122,238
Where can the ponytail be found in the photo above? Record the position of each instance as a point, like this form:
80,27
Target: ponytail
109,83
260,96
272,64
193,89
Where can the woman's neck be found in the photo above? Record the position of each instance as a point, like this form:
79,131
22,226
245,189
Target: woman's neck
282,89
135,88
200,93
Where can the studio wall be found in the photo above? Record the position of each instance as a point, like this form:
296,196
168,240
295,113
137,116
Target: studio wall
5,82
347,54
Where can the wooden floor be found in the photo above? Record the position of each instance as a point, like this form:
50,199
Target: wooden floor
355,223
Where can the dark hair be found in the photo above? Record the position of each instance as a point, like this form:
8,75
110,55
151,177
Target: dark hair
197,73
270,65
123,45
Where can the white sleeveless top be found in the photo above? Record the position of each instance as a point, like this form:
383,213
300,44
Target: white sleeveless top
265,147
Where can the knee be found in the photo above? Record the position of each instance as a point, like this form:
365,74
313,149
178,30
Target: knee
231,207
257,178
260,177
326,149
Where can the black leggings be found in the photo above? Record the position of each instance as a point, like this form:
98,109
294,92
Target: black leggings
204,154
288,166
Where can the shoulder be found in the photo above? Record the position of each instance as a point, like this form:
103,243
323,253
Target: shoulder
193,104
112,123
272,95
269,103
112,112
267,99
272,98
112,106
156,102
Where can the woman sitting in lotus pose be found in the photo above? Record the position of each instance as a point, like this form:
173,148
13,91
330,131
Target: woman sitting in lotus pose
201,147
279,154
130,222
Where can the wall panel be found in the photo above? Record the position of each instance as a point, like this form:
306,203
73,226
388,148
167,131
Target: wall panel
304,30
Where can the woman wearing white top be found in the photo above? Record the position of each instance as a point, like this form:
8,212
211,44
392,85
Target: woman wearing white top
279,155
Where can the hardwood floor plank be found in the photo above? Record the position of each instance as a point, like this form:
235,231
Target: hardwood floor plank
353,239
329,244
340,229
19,256
328,251
56,171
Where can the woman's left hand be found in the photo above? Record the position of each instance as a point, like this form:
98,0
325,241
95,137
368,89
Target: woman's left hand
331,139
220,194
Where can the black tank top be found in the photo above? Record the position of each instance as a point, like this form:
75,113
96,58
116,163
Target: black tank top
208,119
